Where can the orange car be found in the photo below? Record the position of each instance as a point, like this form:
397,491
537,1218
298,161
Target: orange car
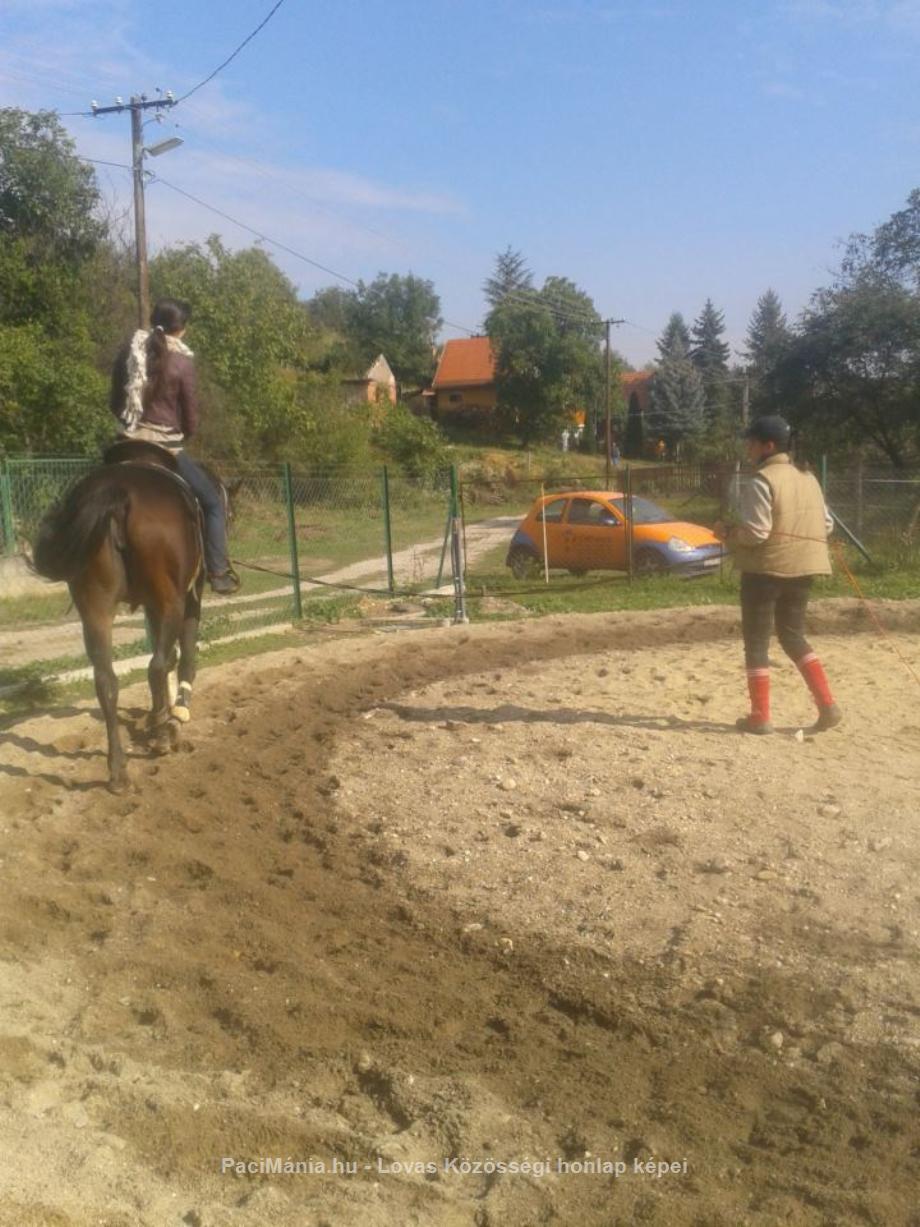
585,530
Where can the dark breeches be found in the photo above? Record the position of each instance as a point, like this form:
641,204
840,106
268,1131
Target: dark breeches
769,601
215,527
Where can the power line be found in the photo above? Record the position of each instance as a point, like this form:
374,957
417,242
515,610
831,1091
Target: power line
220,67
291,251
76,157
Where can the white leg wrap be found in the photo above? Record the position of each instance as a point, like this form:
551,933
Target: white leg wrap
180,703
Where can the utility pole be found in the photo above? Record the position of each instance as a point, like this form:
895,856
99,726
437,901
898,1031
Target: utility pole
607,431
137,105
746,400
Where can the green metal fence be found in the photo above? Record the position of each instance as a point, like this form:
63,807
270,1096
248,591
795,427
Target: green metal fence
304,543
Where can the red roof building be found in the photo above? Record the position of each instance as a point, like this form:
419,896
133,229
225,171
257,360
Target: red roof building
465,378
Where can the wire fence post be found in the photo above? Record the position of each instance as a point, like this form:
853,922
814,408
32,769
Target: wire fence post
629,523
456,551
6,509
292,537
824,473
388,529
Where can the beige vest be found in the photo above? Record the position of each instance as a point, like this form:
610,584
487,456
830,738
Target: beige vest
797,544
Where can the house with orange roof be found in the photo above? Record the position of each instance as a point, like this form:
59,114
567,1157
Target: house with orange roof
464,381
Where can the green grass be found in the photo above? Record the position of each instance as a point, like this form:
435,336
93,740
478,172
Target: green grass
36,689
40,607
608,591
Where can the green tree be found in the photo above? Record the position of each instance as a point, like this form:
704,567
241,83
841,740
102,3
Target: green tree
710,355
768,338
852,372
678,399
48,197
52,251
511,275
399,317
676,333
548,360
251,336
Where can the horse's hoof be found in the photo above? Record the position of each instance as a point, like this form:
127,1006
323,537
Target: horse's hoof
181,713
119,784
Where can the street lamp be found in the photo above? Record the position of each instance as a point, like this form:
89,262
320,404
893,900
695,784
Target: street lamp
173,142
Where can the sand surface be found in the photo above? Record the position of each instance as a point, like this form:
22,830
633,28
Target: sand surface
503,894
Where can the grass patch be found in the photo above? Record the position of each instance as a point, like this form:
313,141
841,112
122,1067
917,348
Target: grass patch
28,685
33,608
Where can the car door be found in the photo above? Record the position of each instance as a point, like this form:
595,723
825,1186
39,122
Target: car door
550,526
595,536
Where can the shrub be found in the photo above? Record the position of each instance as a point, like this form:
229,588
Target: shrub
414,443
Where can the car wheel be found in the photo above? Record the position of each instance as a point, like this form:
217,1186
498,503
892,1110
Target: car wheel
648,562
521,562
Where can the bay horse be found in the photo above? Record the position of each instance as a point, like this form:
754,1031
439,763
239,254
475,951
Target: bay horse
129,532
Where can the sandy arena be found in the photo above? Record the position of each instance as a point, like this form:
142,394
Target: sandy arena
506,895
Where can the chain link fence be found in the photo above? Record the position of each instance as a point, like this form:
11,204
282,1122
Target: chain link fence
656,520
348,537
882,510
361,536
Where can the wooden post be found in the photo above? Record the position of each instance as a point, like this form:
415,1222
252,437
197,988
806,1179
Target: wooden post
6,509
388,529
288,486
629,523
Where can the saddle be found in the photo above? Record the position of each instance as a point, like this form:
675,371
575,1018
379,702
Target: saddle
141,454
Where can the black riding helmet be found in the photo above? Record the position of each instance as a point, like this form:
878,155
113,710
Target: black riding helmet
771,428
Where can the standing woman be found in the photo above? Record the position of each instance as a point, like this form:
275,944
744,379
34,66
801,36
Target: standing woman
155,400
779,547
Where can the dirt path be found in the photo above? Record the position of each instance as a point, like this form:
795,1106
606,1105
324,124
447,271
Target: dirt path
22,645
498,894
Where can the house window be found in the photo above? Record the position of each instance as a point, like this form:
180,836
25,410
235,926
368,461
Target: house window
455,398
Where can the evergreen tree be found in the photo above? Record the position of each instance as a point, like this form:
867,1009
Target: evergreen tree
678,399
710,354
675,332
768,340
511,276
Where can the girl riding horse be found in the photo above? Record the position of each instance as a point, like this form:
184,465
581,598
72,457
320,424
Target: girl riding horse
155,400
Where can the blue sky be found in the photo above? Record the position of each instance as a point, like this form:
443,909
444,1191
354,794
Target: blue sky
656,152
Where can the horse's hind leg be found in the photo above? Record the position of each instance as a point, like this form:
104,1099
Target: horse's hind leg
165,626
97,636
188,655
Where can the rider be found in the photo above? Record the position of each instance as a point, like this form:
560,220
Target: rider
154,398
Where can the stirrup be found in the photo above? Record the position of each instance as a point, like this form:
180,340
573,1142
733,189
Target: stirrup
226,583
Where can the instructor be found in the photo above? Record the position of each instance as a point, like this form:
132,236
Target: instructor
779,546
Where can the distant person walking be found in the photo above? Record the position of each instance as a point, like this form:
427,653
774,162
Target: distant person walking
779,546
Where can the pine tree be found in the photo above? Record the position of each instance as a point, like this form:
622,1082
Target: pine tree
675,330
710,357
768,339
511,276
678,398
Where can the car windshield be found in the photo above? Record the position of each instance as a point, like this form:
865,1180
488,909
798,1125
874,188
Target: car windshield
644,511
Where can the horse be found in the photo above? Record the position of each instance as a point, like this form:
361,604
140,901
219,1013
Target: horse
129,532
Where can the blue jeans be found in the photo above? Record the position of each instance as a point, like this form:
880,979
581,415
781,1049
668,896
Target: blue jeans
215,527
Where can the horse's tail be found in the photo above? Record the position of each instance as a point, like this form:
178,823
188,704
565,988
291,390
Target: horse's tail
73,529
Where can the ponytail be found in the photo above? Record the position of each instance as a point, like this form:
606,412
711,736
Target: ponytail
168,316
157,367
